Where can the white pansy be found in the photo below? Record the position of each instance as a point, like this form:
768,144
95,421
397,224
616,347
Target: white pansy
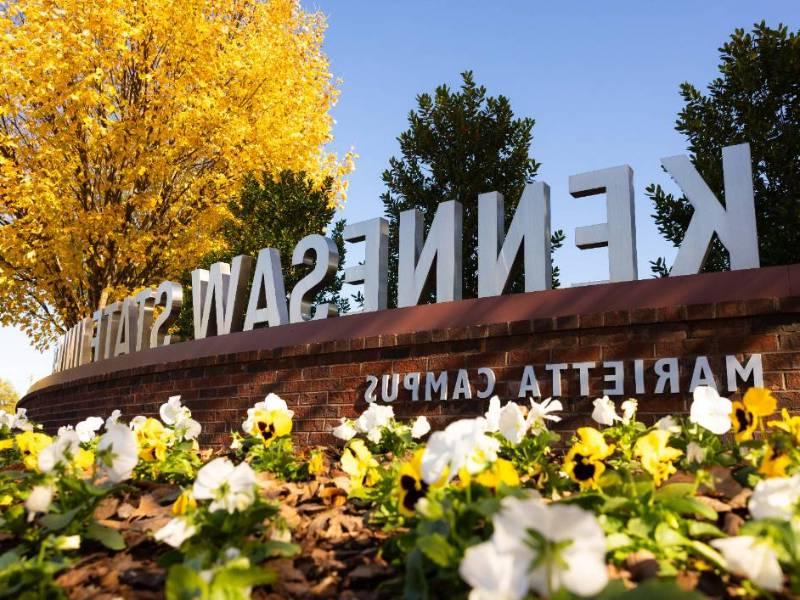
710,410
137,422
604,413
775,498
64,429
21,421
87,429
629,408
113,417
492,415
117,452
751,558
512,423
494,575
344,430
171,410
60,452
668,423
375,417
567,552
175,532
420,427
6,419
541,412
68,542
375,435
695,453
272,402
463,443
39,500
230,488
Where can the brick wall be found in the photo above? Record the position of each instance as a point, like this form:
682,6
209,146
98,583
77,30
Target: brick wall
323,375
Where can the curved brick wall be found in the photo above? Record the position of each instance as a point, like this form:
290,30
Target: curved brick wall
320,367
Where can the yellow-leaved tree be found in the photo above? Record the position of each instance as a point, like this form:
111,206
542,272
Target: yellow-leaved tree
126,125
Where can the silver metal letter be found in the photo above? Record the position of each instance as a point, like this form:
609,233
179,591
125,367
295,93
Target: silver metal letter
374,272
111,314
702,375
169,295
267,304
442,246
619,231
221,307
530,229
125,341
145,301
734,224
321,252
98,336
752,368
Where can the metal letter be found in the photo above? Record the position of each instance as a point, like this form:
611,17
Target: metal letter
619,232
267,304
170,296
617,378
529,229
529,384
221,308
321,252
556,368
388,396
111,314
411,383
702,374
491,380
125,341
583,375
369,393
373,273
753,368
461,388
667,369
145,301
85,341
436,384
442,246
734,224
98,336
638,375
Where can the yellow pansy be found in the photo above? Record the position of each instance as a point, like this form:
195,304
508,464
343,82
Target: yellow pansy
358,462
747,414
84,459
656,456
271,424
6,444
584,461
151,439
774,463
184,503
316,463
410,485
788,423
501,472
29,445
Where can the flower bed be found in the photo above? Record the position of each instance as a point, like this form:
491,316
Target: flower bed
487,508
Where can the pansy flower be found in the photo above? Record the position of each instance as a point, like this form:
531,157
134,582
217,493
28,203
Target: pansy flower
358,462
775,462
410,486
747,414
151,440
584,461
271,424
29,444
656,455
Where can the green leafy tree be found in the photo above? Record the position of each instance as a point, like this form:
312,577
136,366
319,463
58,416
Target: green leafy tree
755,99
8,396
274,213
459,145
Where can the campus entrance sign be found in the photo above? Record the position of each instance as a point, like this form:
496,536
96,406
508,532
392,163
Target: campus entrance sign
652,339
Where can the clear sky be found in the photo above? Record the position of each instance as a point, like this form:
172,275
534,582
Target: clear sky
600,79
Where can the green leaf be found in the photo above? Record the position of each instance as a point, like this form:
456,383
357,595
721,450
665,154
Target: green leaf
685,505
704,529
415,586
667,536
638,528
235,584
184,583
110,538
617,540
57,521
675,489
708,553
436,547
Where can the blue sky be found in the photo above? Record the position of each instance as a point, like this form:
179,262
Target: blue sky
601,79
